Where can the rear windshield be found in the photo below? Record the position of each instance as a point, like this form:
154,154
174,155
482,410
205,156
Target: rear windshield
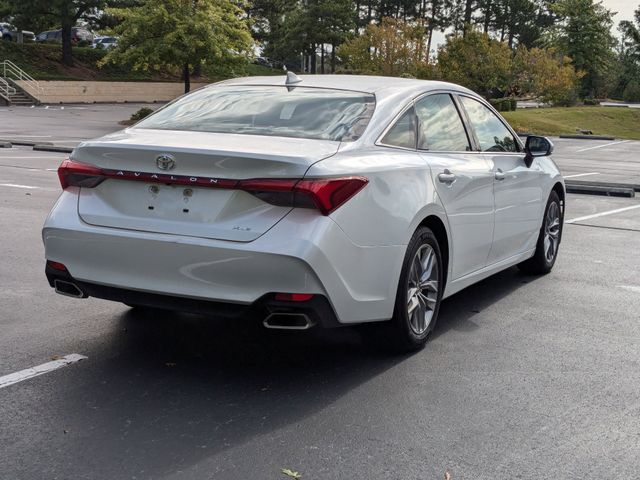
269,110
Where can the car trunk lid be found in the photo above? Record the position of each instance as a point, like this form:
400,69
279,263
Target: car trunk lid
160,181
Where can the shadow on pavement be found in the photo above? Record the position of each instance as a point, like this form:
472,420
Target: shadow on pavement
169,390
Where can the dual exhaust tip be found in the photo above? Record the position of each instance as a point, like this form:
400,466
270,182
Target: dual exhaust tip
68,289
275,321
288,321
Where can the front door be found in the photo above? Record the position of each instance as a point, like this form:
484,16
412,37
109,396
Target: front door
517,188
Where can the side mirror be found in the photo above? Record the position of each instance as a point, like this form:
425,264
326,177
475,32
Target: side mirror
537,147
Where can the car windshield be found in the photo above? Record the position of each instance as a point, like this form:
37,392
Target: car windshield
298,112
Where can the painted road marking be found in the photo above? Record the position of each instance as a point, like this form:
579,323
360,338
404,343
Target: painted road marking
14,157
40,369
581,175
605,145
631,288
15,185
602,214
30,136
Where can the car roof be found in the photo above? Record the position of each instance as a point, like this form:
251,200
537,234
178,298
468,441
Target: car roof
380,86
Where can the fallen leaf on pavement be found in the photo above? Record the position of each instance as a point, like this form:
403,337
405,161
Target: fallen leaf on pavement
291,473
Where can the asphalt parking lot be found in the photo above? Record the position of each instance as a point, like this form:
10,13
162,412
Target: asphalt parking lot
64,125
525,377
582,161
599,161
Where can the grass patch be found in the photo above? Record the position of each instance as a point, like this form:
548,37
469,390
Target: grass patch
43,62
618,122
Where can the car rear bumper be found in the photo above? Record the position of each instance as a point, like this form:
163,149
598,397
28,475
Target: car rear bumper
317,310
303,253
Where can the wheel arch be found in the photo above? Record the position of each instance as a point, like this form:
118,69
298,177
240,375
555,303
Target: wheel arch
559,189
439,229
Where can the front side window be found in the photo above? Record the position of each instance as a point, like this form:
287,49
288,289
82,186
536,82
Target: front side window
491,133
440,126
403,132
298,112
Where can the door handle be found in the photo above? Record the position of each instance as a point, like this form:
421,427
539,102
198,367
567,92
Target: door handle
500,175
446,177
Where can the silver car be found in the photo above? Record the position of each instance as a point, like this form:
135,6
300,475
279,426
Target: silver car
317,200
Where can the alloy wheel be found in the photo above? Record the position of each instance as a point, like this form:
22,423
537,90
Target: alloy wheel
551,231
422,293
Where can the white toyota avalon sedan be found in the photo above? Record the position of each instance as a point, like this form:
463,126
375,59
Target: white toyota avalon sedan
329,200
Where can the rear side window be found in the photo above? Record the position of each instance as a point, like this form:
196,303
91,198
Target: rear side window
491,133
298,112
403,132
440,126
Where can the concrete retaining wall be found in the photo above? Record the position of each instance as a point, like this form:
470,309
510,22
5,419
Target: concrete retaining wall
106,92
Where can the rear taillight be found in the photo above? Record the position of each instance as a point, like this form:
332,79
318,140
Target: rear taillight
323,194
75,174
293,297
329,194
57,265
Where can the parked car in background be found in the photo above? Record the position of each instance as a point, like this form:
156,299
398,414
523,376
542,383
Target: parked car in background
10,33
327,199
105,42
78,34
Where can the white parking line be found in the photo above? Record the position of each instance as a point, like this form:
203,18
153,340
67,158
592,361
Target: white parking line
15,185
581,175
631,288
14,157
602,214
40,369
602,146
28,136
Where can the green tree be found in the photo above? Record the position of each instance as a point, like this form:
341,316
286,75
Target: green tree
478,62
303,28
583,32
544,74
489,67
63,13
180,35
392,48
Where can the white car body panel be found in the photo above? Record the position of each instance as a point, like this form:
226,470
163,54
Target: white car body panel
235,248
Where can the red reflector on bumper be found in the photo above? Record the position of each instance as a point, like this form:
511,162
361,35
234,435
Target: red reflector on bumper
294,297
56,266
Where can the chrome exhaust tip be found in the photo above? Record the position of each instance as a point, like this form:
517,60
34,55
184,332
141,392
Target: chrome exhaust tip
68,289
288,321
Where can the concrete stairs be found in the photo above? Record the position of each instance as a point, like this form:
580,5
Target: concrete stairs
12,81
20,98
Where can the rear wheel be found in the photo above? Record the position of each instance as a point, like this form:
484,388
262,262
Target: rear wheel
419,293
548,240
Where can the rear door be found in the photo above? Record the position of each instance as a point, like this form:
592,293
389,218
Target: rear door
463,179
517,188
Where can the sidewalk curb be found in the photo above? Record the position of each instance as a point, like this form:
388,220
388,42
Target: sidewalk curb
40,147
605,189
588,137
24,143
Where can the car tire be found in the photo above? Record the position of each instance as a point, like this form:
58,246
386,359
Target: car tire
419,294
548,239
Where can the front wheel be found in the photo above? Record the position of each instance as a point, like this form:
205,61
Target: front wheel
419,293
548,239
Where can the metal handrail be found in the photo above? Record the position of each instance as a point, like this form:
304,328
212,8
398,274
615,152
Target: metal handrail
11,70
6,90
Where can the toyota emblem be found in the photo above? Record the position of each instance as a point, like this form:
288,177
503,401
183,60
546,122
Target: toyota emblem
165,162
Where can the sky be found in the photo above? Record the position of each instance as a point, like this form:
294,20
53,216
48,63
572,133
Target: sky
625,9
